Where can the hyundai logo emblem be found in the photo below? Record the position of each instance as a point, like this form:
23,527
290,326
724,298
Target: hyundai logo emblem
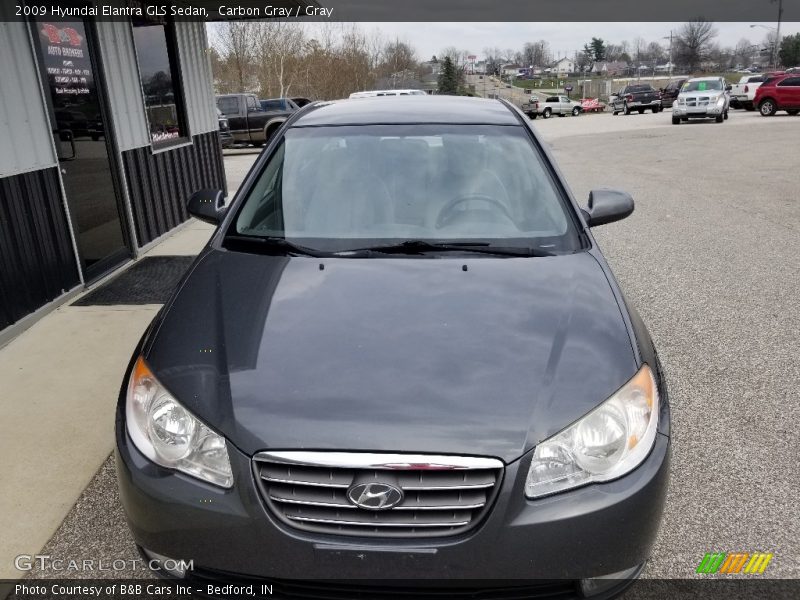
375,496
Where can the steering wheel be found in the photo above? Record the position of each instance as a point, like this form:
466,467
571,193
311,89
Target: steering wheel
444,213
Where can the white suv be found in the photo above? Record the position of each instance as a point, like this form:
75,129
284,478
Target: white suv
702,98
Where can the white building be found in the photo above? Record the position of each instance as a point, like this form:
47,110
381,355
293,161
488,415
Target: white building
563,66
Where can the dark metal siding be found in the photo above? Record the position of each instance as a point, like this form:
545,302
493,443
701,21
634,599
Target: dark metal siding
160,184
37,261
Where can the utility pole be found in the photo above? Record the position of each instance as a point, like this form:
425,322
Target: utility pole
670,53
778,34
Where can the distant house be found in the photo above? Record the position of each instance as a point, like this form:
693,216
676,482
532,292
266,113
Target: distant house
432,67
563,66
611,68
512,70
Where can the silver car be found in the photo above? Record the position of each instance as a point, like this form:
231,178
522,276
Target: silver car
702,98
559,105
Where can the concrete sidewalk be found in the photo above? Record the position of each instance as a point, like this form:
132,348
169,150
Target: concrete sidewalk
60,381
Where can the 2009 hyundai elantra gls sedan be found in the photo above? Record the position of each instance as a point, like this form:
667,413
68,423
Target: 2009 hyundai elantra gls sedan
402,357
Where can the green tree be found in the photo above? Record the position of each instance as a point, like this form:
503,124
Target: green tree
598,49
790,50
448,78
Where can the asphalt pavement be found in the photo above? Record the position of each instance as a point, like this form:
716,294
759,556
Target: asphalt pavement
709,258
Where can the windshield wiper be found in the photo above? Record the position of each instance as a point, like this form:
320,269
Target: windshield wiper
423,246
278,243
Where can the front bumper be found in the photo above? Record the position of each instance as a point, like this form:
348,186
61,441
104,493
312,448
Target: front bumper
588,532
697,112
225,138
650,104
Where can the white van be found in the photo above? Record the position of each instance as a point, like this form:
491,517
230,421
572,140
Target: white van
387,93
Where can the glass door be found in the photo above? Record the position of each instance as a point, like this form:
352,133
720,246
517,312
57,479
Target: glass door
80,129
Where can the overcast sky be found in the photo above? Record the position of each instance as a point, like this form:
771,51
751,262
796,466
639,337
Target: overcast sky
565,38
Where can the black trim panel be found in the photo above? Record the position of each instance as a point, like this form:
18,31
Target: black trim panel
37,259
159,184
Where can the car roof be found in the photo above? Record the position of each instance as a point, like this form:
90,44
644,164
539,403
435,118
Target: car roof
408,109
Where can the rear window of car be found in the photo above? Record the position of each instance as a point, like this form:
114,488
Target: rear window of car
334,187
276,104
640,88
228,105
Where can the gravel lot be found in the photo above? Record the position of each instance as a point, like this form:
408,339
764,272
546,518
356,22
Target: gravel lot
709,260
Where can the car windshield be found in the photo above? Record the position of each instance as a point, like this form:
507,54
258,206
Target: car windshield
335,188
705,85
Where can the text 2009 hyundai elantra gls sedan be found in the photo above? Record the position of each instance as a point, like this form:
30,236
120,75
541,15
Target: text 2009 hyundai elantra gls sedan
400,357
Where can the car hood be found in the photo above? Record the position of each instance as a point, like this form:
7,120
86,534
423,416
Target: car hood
477,356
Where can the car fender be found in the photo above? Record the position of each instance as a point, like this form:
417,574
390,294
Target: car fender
274,122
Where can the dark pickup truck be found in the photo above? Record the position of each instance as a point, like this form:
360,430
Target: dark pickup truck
248,121
639,97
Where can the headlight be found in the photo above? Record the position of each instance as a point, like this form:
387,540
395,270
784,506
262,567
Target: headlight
607,443
169,435
681,100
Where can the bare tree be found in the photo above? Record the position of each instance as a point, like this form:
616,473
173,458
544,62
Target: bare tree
493,59
743,52
693,42
320,60
277,49
536,54
398,64
235,41
656,53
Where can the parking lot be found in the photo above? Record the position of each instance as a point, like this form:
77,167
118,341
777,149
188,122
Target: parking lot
709,260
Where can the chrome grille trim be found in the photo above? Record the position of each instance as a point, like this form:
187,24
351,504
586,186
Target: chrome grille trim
369,460
311,483
350,506
443,495
375,524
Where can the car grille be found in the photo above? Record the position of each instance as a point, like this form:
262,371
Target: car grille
476,589
442,495
697,101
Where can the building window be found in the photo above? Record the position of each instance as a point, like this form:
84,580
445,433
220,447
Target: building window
159,73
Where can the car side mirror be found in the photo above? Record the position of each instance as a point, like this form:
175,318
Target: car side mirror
207,205
606,206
